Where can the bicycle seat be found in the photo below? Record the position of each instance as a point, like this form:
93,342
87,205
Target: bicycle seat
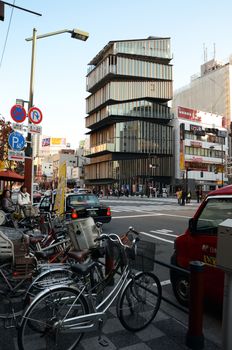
83,269
35,240
79,256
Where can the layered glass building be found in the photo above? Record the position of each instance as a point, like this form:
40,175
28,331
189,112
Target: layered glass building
130,84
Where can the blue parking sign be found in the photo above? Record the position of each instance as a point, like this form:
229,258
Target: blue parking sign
16,141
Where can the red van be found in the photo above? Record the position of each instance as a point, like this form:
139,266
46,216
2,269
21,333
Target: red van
199,242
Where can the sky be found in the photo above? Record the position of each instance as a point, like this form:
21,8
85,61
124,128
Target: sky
61,62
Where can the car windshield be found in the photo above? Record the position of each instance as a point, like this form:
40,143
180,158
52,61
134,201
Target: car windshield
215,212
84,199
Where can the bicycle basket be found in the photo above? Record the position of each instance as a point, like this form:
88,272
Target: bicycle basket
82,233
24,266
30,211
10,238
143,259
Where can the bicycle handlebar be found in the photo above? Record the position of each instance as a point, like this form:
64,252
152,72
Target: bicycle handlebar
118,239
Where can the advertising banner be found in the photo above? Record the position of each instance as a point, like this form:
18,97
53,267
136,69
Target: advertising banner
60,194
58,141
46,142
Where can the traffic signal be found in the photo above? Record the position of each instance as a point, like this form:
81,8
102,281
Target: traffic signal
182,131
1,11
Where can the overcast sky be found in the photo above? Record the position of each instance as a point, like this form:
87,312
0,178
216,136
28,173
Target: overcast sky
61,62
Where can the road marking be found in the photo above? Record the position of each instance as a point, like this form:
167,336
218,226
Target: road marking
134,216
159,238
160,232
177,216
165,283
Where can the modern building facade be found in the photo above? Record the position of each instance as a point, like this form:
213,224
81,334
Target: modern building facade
210,91
201,150
131,145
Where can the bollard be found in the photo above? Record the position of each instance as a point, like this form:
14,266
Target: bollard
109,258
227,312
195,337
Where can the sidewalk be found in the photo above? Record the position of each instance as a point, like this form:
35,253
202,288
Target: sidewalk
164,333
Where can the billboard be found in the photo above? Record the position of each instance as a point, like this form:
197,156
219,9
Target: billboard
46,142
201,117
53,141
57,141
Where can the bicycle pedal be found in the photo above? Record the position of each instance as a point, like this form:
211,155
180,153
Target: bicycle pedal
103,342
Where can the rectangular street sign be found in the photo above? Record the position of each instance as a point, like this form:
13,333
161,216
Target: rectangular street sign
222,133
18,127
34,129
16,155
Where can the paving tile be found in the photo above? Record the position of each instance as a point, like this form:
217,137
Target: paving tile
124,339
92,343
113,325
139,346
149,333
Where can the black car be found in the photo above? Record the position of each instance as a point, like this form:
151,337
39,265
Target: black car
85,204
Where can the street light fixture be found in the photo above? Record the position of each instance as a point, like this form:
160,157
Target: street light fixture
76,34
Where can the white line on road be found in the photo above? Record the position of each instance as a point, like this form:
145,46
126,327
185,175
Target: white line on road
164,283
134,216
159,238
164,233
176,216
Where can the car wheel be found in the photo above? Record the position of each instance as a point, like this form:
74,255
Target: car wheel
180,286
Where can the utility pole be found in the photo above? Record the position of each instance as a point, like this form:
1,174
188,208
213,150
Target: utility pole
2,9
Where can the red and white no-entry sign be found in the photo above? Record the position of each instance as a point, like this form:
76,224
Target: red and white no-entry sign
35,115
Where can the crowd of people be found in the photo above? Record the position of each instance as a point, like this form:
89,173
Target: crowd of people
10,206
185,197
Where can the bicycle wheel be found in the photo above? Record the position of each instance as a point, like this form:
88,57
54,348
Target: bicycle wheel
42,322
140,301
12,293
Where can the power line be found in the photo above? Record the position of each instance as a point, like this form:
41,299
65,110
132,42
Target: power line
7,34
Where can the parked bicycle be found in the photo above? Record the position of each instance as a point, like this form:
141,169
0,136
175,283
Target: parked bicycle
22,275
59,316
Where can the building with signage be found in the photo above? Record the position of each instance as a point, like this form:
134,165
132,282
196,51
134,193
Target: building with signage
210,91
130,84
201,149
47,146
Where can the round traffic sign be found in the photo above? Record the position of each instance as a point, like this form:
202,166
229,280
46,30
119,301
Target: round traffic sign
18,113
35,115
16,141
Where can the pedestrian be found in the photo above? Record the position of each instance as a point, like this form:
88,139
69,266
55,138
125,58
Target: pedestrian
198,195
6,203
183,197
23,199
188,197
179,196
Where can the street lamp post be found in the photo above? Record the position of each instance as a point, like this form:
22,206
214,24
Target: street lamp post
76,34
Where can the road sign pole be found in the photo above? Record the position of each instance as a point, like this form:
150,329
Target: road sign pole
28,170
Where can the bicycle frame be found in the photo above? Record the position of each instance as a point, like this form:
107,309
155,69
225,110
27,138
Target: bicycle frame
90,322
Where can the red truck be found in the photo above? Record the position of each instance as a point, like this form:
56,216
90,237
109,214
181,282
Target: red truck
199,242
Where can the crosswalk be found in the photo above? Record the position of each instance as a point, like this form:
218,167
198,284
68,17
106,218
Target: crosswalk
148,208
164,235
